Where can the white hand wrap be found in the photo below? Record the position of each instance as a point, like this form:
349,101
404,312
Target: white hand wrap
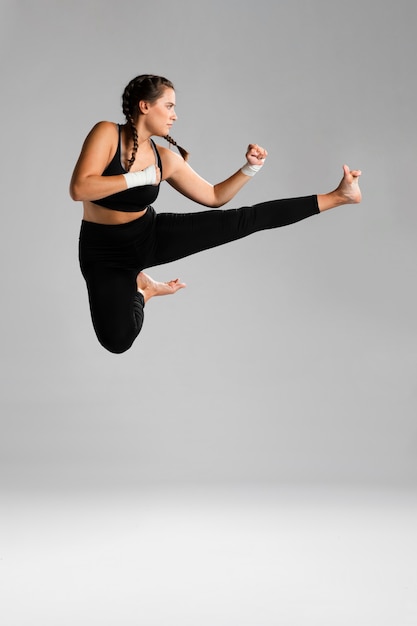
144,177
250,170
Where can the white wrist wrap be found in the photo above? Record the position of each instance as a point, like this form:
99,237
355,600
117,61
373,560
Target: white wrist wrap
144,177
250,170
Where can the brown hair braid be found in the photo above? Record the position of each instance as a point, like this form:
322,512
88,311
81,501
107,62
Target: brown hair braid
144,87
182,151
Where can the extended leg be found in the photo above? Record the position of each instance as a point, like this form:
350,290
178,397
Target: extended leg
181,234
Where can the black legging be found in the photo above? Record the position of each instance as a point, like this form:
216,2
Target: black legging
112,256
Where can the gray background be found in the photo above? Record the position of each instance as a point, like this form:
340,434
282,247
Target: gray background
291,356
252,460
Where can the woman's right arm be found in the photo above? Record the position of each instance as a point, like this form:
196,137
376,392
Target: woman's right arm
87,182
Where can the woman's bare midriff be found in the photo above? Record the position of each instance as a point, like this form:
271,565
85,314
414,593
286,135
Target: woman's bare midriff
101,215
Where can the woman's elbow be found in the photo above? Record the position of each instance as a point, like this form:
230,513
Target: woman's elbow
73,194
216,204
75,191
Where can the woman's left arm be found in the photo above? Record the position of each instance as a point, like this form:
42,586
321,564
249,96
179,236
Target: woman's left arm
185,180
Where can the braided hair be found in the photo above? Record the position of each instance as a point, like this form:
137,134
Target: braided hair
144,87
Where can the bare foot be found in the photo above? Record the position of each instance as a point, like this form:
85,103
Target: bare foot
150,288
348,191
349,186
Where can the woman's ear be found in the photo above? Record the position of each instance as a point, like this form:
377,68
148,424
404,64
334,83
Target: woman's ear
143,107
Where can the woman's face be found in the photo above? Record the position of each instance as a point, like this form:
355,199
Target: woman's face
160,115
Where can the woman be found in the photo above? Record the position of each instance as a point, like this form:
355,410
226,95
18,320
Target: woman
117,177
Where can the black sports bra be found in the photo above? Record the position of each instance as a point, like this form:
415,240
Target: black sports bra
130,200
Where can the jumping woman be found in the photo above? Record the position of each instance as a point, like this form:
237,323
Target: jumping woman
117,177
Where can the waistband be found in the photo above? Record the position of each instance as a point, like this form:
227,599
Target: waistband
118,233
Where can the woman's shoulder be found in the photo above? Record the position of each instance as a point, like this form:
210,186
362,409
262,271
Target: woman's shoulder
167,154
102,136
171,161
161,149
105,128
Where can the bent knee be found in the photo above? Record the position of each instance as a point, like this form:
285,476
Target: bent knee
116,344
116,349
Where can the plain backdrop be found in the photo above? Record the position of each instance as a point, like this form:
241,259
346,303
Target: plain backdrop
252,460
291,356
